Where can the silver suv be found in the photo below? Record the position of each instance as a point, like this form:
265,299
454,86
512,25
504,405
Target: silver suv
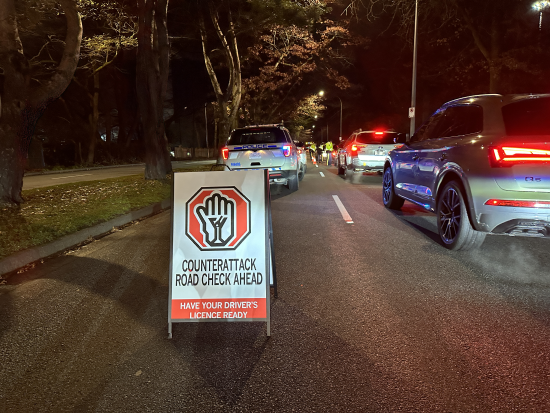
482,164
366,151
264,147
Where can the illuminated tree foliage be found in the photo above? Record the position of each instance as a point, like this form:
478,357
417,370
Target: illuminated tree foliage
291,57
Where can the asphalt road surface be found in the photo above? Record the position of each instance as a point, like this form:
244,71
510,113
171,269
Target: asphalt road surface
372,316
94,174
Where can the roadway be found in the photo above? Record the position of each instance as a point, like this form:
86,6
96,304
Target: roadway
95,174
372,316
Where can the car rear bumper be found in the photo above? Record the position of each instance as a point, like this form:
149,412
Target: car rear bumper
276,175
516,221
368,162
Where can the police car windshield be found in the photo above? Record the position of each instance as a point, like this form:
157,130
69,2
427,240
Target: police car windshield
374,137
256,135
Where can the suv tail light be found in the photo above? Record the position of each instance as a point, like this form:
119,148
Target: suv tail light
287,150
505,156
354,148
225,152
518,204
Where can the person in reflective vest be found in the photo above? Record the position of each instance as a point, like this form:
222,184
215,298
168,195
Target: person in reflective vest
329,147
312,150
320,154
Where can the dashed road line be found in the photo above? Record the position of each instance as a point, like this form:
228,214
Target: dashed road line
342,209
322,174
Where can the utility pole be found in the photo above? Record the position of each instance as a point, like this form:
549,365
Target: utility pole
412,109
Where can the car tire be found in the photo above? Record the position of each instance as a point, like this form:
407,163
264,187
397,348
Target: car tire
453,224
293,182
389,197
301,173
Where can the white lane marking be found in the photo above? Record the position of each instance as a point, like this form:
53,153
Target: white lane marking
342,209
71,176
322,174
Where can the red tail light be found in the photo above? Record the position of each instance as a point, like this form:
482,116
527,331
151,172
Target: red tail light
287,150
378,133
518,204
354,148
504,156
225,153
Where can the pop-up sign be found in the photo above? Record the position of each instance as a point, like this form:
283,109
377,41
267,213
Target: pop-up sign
220,250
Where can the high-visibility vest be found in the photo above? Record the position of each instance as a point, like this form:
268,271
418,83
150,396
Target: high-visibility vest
328,146
313,146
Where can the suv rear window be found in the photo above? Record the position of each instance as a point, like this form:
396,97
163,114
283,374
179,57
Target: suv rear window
527,117
256,135
371,137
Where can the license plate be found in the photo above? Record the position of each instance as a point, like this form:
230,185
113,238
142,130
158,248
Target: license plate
254,155
380,152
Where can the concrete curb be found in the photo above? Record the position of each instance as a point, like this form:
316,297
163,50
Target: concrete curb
20,259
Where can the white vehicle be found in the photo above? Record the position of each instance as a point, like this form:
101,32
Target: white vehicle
366,151
264,147
302,156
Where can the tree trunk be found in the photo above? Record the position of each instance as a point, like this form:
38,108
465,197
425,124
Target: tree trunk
226,112
21,106
94,119
152,80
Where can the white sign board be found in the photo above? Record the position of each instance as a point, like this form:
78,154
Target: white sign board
219,268
411,112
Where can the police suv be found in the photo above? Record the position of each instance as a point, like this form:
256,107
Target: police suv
264,147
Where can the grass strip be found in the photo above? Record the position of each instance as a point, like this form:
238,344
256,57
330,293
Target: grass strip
52,212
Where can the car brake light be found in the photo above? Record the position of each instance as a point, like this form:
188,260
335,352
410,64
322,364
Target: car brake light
518,204
503,156
378,133
354,148
225,153
287,150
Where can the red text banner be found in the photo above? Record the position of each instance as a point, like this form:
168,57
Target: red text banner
219,308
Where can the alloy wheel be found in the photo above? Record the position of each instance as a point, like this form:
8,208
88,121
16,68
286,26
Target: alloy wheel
450,215
387,186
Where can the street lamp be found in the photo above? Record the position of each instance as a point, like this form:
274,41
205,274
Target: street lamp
540,6
412,109
321,93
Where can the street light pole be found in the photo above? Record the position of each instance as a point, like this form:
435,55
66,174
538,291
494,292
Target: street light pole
412,109
340,116
540,6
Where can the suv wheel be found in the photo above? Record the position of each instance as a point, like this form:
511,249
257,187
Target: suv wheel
302,172
293,183
390,199
455,229
341,169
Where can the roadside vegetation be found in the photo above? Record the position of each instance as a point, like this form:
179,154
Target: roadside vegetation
52,212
